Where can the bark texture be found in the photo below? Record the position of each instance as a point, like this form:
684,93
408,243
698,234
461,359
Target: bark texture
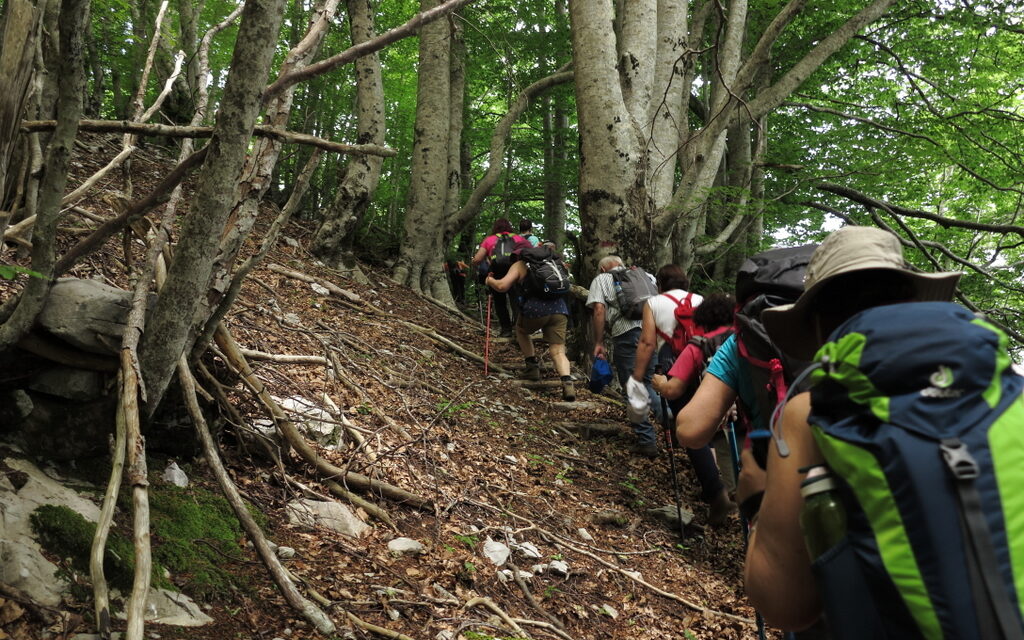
174,316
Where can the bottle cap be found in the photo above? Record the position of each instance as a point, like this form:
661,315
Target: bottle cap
818,480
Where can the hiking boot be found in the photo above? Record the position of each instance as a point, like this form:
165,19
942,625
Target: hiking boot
505,333
531,371
649,451
721,508
568,391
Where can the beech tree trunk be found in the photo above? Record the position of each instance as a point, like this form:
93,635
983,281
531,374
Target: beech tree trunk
173,321
645,173
333,240
422,251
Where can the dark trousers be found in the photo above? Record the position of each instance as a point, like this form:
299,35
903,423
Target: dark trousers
502,302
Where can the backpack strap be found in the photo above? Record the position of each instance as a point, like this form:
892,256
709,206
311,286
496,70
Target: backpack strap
664,336
996,615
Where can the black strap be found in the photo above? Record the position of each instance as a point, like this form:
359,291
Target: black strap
997,616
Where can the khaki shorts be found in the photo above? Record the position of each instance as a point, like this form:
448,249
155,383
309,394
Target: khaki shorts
554,326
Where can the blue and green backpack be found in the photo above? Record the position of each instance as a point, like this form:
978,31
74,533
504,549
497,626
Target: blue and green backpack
916,408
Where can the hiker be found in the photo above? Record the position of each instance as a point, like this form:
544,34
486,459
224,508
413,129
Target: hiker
457,271
526,231
900,376
713,319
543,282
615,302
667,322
497,249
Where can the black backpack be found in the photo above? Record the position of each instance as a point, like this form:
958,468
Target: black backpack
765,280
501,255
546,275
632,289
708,346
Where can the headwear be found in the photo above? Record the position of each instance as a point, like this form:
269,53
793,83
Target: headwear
843,251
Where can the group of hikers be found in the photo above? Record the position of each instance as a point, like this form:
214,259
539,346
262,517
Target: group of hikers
881,424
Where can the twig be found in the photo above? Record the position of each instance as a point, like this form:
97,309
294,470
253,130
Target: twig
372,628
488,603
533,601
309,611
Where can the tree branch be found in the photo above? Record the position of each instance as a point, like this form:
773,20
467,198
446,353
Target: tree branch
144,129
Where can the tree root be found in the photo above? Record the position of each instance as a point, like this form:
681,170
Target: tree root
309,611
489,604
533,601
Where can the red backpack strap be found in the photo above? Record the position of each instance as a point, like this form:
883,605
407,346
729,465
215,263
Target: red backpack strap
678,302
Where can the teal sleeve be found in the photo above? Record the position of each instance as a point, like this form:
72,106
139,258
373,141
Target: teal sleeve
725,364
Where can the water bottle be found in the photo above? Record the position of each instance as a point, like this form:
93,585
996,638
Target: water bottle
823,518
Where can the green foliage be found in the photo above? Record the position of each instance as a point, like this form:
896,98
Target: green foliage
64,533
449,409
469,541
195,532
11,271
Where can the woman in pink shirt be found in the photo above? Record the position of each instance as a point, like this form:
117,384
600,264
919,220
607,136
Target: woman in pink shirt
497,248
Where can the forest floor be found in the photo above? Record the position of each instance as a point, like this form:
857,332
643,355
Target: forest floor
496,461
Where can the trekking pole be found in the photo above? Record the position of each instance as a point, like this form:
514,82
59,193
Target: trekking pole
487,335
734,450
666,424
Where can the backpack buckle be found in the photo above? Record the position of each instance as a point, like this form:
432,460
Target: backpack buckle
959,459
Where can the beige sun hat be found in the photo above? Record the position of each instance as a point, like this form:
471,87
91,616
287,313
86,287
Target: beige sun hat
848,249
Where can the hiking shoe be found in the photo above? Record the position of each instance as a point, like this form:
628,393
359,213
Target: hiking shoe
568,391
505,333
649,451
531,371
721,508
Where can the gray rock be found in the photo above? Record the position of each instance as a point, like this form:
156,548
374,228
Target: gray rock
330,515
527,550
87,314
312,420
171,608
285,553
558,567
669,515
406,546
496,552
68,383
585,535
174,475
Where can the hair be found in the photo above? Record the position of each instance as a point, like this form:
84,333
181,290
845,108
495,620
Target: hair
525,225
715,311
550,244
609,262
501,225
670,277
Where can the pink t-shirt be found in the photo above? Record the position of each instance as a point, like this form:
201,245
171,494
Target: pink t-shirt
690,362
490,241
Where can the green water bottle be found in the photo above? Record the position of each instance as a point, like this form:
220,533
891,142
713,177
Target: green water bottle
823,518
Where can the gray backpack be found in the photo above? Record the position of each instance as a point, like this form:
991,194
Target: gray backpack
632,289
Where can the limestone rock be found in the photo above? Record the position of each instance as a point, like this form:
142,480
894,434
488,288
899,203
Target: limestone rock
330,515
87,314
68,383
406,546
669,515
171,608
496,552
174,475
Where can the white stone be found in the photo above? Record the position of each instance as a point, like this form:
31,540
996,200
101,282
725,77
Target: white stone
496,552
527,550
511,459
330,515
403,546
608,610
585,535
636,575
319,289
174,475
539,568
558,567
171,608
292,319
312,419
285,552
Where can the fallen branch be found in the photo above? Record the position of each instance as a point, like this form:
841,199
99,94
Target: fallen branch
170,131
327,284
489,604
237,362
372,628
530,600
309,611
284,359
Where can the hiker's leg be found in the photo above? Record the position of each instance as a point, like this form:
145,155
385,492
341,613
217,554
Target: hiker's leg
501,310
624,359
708,476
523,336
554,333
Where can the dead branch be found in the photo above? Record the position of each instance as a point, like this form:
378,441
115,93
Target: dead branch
410,27
101,600
238,363
171,131
372,628
327,284
530,600
309,611
490,604
284,358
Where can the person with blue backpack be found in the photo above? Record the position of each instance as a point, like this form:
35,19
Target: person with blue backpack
891,504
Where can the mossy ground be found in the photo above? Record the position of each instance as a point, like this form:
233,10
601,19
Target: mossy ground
195,536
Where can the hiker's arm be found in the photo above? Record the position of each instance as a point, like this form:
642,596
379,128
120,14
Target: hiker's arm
670,388
648,342
479,256
778,575
599,316
698,420
516,271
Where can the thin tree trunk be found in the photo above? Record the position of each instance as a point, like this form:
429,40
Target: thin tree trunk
333,240
174,315
20,29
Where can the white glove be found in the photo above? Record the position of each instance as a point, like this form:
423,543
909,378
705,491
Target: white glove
639,404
